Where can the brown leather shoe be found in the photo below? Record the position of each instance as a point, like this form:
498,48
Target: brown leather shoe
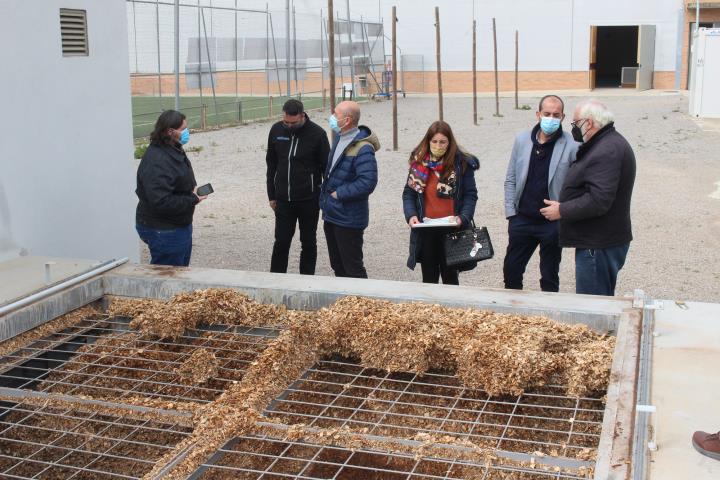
707,443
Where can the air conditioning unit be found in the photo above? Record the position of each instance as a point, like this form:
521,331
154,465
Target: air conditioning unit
628,77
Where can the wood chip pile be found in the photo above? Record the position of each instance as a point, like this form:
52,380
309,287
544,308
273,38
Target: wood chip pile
202,307
501,353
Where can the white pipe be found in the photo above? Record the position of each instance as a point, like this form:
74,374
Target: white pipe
23,302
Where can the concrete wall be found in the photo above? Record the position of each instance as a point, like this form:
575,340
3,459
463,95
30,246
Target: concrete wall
67,181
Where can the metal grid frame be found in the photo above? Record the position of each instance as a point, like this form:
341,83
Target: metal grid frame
80,445
395,407
108,371
337,393
262,457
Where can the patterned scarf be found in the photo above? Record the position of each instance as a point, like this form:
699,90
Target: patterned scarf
421,169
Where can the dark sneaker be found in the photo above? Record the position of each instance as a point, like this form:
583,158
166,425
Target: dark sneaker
707,443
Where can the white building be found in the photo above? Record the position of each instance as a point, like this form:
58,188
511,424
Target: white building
563,44
66,158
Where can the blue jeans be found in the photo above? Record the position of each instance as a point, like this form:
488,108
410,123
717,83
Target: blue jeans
596,270
167,247
525,236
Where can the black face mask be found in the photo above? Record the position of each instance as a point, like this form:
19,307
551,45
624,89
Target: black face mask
577,134
296,126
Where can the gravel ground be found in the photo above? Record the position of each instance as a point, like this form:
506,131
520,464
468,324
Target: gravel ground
675,212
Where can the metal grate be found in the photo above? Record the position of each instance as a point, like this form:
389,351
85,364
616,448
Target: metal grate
337,393
73,32
46,443
251,457
116,363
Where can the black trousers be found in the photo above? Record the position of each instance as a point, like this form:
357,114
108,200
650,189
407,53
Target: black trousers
345,250
287,214
525,236
432,257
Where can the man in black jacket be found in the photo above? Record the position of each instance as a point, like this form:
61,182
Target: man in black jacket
594,206
297,153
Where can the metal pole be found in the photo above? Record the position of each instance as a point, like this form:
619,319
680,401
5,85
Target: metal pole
474,68
697,15
277,73
287,47
135,36
371,62
394,79
157,38
199,45
322,60
23,302
267,50
294,20
497,93
207,49
352,63
439,68
331,54
236,55
517,61
177,54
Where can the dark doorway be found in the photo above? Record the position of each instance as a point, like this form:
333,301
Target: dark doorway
617,47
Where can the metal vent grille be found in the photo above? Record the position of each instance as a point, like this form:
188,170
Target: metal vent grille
73,31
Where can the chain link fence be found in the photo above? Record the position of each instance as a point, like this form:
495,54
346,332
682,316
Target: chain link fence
238,65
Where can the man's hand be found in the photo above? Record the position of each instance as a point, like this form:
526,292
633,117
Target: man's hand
273,204
334,195
552,211
413,221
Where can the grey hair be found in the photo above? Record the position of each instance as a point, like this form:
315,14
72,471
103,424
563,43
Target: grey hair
597,111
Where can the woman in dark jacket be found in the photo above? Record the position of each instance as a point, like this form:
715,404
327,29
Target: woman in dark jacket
166,190
440,184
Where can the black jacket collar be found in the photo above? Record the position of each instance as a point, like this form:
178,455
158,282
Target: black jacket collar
175,151
610,127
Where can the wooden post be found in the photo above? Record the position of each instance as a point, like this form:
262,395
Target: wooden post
394,79
517,60
203,116
474,67
497,93
439,68
331,53
240,112
324,98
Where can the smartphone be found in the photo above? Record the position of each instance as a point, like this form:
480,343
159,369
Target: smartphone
205,190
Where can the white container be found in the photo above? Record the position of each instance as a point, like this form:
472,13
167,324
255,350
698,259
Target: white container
705,74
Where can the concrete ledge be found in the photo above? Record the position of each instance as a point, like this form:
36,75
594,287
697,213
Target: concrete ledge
313,292
38,313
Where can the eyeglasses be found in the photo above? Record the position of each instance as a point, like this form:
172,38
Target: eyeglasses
576,123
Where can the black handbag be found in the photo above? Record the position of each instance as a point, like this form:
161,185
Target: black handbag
466,248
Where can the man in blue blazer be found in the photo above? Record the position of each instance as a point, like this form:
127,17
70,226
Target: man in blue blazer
350,177
537,169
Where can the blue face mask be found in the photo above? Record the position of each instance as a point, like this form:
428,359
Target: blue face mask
184,136
549,125
333,122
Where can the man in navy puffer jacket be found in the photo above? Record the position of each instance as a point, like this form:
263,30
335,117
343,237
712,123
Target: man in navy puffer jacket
351,176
